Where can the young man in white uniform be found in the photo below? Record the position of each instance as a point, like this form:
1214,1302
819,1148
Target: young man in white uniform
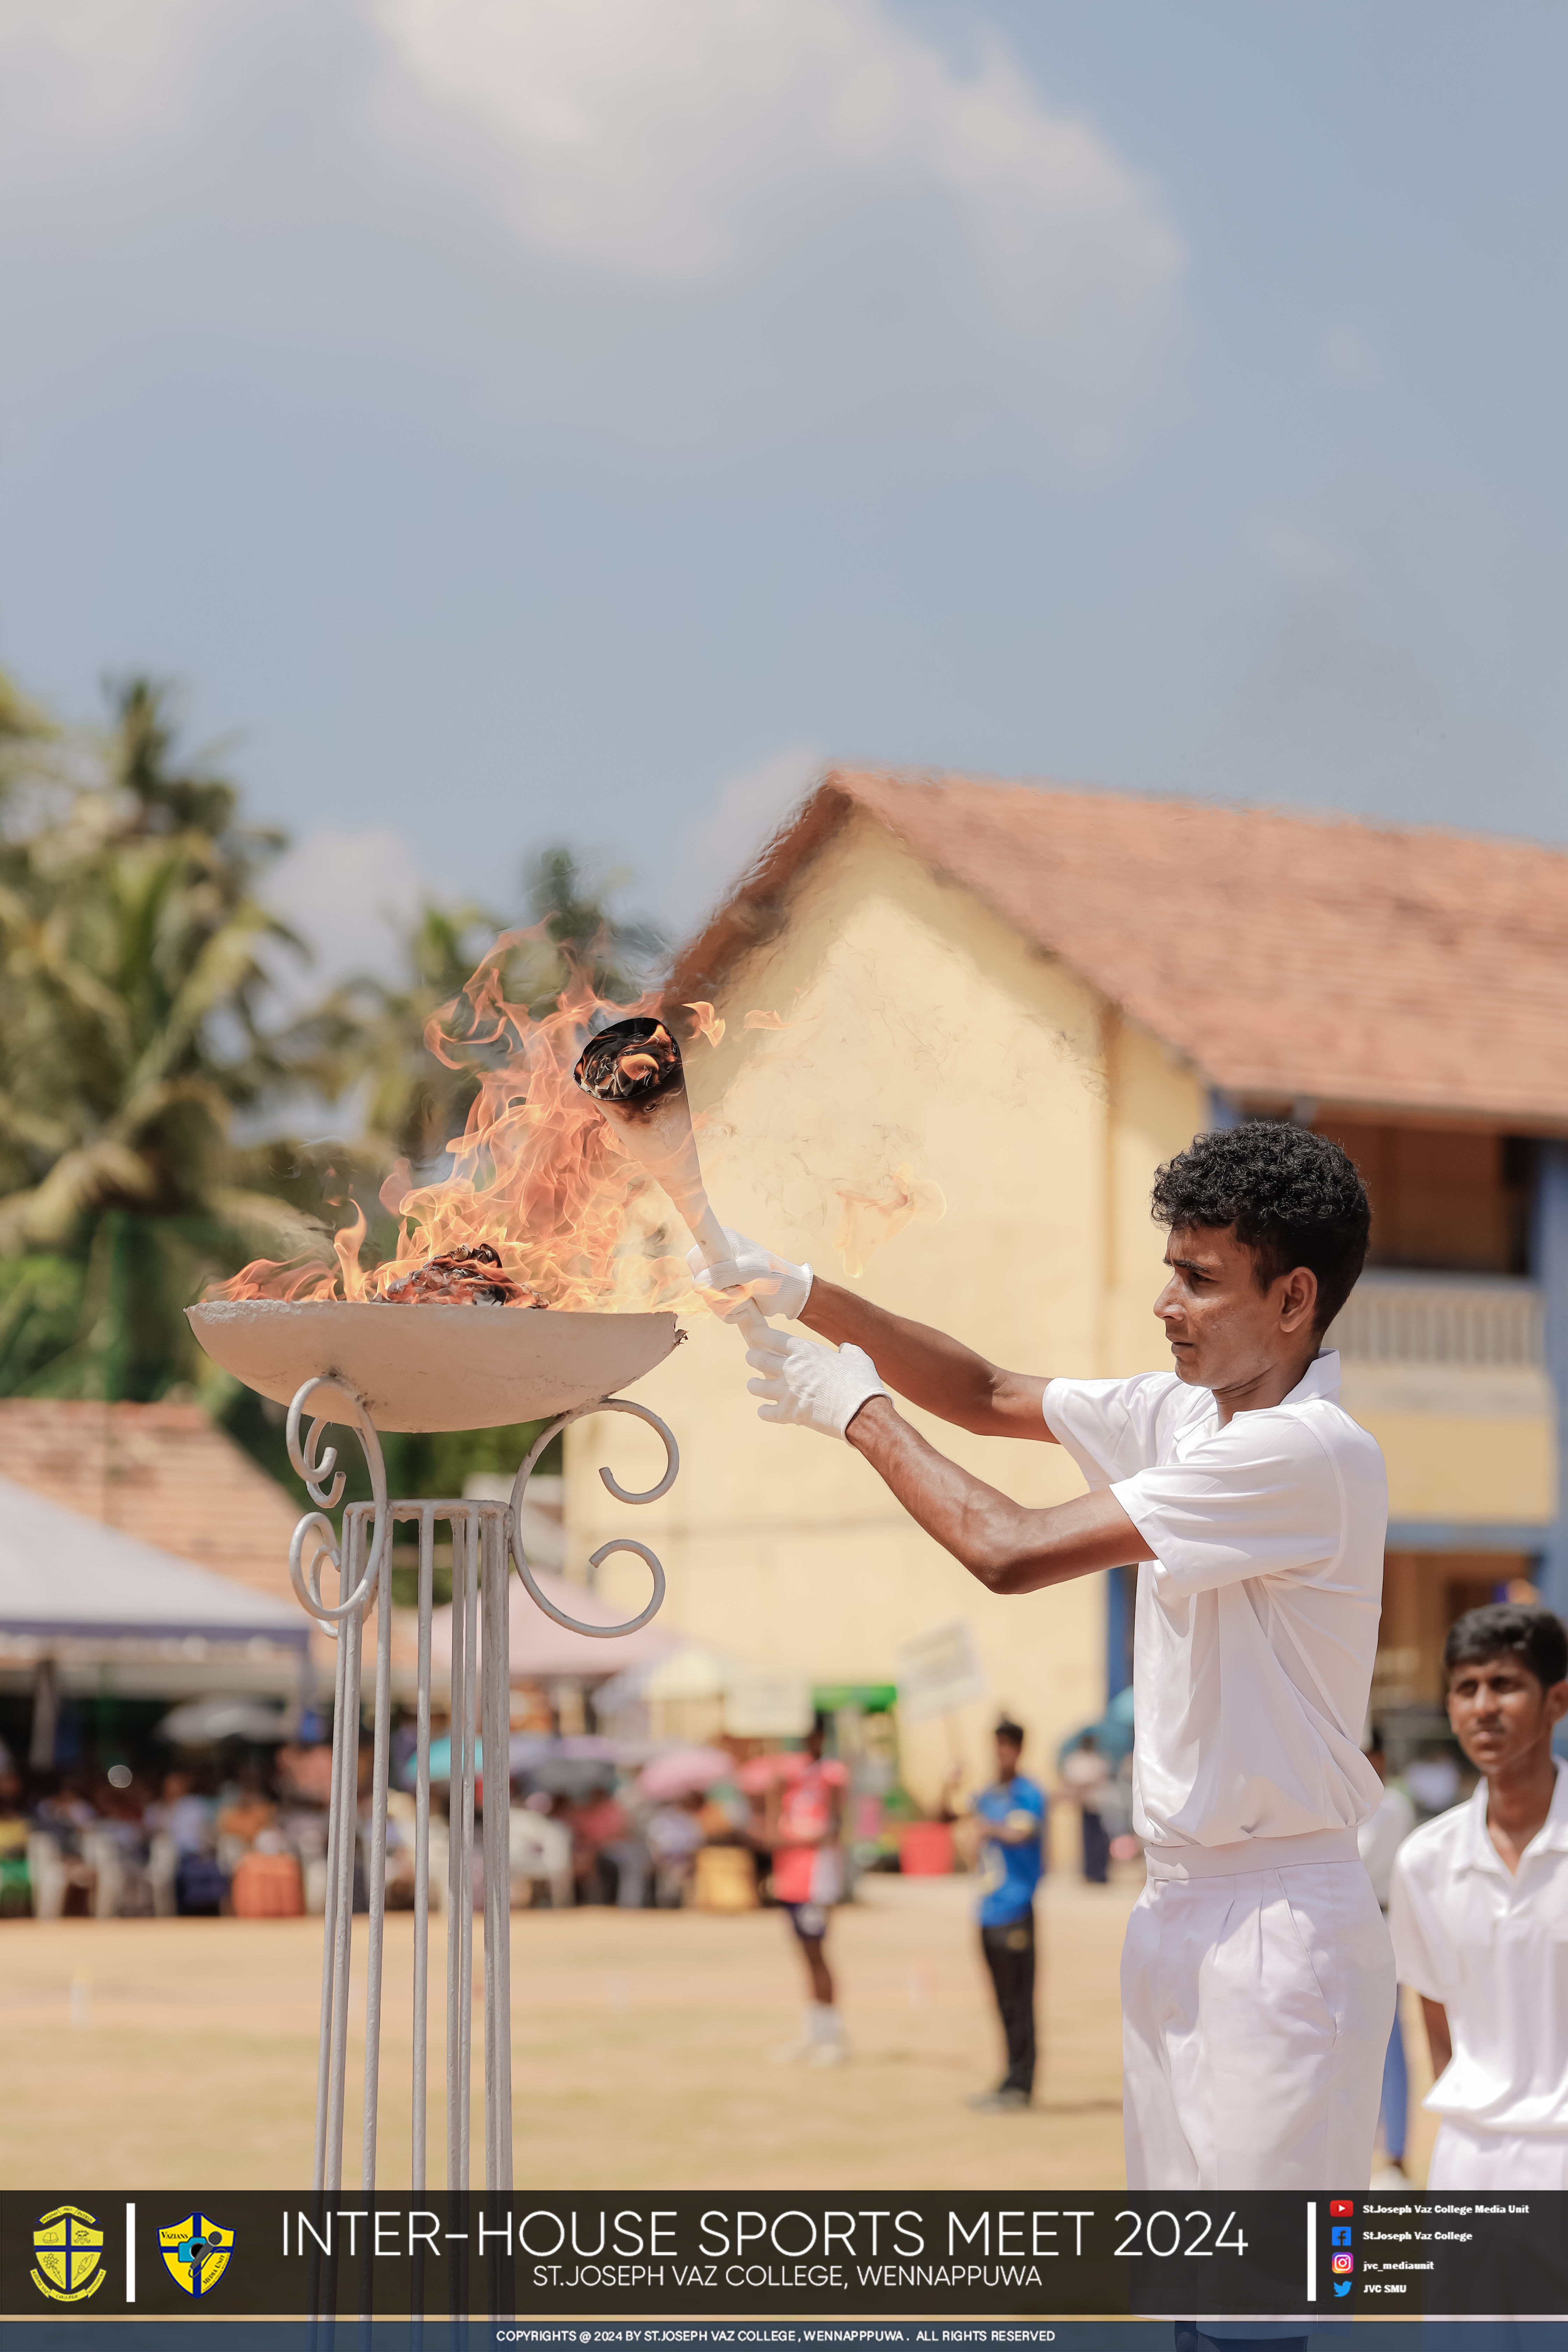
1257,1982
1479,1912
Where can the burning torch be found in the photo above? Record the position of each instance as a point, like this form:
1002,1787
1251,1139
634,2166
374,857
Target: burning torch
633,1071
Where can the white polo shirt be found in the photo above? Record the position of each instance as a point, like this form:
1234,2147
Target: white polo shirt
1494,1951
1257,1605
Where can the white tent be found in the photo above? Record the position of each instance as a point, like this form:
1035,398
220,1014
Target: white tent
67,1578
541,1648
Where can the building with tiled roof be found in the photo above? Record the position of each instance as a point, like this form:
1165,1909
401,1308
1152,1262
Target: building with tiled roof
163,1473
167,1478
1287,956
1022,1000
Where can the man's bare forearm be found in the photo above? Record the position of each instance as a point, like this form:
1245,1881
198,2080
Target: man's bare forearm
1007,1547
1440,2042
937,1372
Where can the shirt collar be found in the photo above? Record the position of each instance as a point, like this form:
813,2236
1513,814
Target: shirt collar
1320,1379
1478,1851
1553,1830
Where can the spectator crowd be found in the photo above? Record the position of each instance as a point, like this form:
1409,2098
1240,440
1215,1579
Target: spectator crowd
1468,1855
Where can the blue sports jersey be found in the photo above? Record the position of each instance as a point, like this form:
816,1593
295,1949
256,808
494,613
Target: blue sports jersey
1010,1873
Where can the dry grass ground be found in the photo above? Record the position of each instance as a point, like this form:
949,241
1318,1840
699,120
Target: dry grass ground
640,2041
640,2050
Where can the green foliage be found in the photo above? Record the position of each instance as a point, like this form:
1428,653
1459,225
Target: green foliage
134,981
141,1053
40,1313
414,1103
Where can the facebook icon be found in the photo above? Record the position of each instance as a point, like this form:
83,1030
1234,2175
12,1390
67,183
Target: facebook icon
1339,2235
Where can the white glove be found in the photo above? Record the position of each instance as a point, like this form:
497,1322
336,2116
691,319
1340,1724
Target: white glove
777,1287
818,1387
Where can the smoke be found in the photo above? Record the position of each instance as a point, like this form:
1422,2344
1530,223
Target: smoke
816,1121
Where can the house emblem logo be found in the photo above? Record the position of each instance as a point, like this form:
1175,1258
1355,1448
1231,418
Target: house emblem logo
196,2252
68,2245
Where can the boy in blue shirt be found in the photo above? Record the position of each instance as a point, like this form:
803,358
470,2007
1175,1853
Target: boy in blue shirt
1012,1817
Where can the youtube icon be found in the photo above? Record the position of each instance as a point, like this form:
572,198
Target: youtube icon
1338,2205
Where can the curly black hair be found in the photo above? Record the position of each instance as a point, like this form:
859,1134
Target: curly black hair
1292,1197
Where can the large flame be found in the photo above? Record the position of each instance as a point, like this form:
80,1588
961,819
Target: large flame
537,1171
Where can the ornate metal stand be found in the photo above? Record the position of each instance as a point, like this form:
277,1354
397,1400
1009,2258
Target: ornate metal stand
484,1545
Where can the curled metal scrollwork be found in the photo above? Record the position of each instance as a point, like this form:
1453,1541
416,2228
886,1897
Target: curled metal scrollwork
620,1543
318,1467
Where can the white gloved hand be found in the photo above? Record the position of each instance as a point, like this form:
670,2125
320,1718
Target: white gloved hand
817,1387
777,1287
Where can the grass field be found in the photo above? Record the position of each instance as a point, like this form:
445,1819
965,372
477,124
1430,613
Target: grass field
151,2053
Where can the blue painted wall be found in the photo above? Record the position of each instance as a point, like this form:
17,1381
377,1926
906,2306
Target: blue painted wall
1549,1263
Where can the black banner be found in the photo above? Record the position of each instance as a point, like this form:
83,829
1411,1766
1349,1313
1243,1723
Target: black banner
536,2258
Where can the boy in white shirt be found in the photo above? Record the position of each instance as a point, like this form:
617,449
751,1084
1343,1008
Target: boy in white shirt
1257,1983
1479,1912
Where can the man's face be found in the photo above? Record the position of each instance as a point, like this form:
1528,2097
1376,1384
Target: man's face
1224,1331
1500,1711
1007,1754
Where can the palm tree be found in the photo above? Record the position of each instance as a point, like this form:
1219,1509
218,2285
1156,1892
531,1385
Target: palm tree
414,1103
135,980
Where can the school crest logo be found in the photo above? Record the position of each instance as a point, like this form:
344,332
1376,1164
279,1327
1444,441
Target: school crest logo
69,2246
196,2252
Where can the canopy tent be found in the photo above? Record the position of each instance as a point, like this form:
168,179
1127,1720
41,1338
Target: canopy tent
67,1578
542,1650
690,1670
204,1722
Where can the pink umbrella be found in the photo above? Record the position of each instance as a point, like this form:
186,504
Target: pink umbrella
755,1778
541,1649
682,1771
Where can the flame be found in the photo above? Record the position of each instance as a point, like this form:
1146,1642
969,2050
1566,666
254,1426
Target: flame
709,1025
537,1171
867,1219
543,1176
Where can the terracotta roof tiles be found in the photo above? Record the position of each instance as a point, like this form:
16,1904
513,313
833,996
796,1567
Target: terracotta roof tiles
1287,956
161,1473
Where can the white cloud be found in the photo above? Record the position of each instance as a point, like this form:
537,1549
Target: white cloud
721,842
107,57
661,214
344,890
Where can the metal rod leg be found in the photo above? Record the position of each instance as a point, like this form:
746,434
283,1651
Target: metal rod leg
466,1929
422,1845
376,1939
488,1715
497,1859
455,1858
345,1803
330,1907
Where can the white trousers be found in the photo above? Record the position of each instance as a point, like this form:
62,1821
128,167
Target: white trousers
1256,2010
1466,2157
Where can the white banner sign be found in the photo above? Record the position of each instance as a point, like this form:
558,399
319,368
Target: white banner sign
940,1670
767,1706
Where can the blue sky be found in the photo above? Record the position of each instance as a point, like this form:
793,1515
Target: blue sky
517,419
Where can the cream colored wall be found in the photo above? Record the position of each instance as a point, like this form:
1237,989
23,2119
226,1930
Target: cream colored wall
1460,1467
923,1030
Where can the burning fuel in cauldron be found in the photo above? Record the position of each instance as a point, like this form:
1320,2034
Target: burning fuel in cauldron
471,1276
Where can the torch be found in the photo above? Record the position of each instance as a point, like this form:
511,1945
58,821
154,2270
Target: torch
633,1071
